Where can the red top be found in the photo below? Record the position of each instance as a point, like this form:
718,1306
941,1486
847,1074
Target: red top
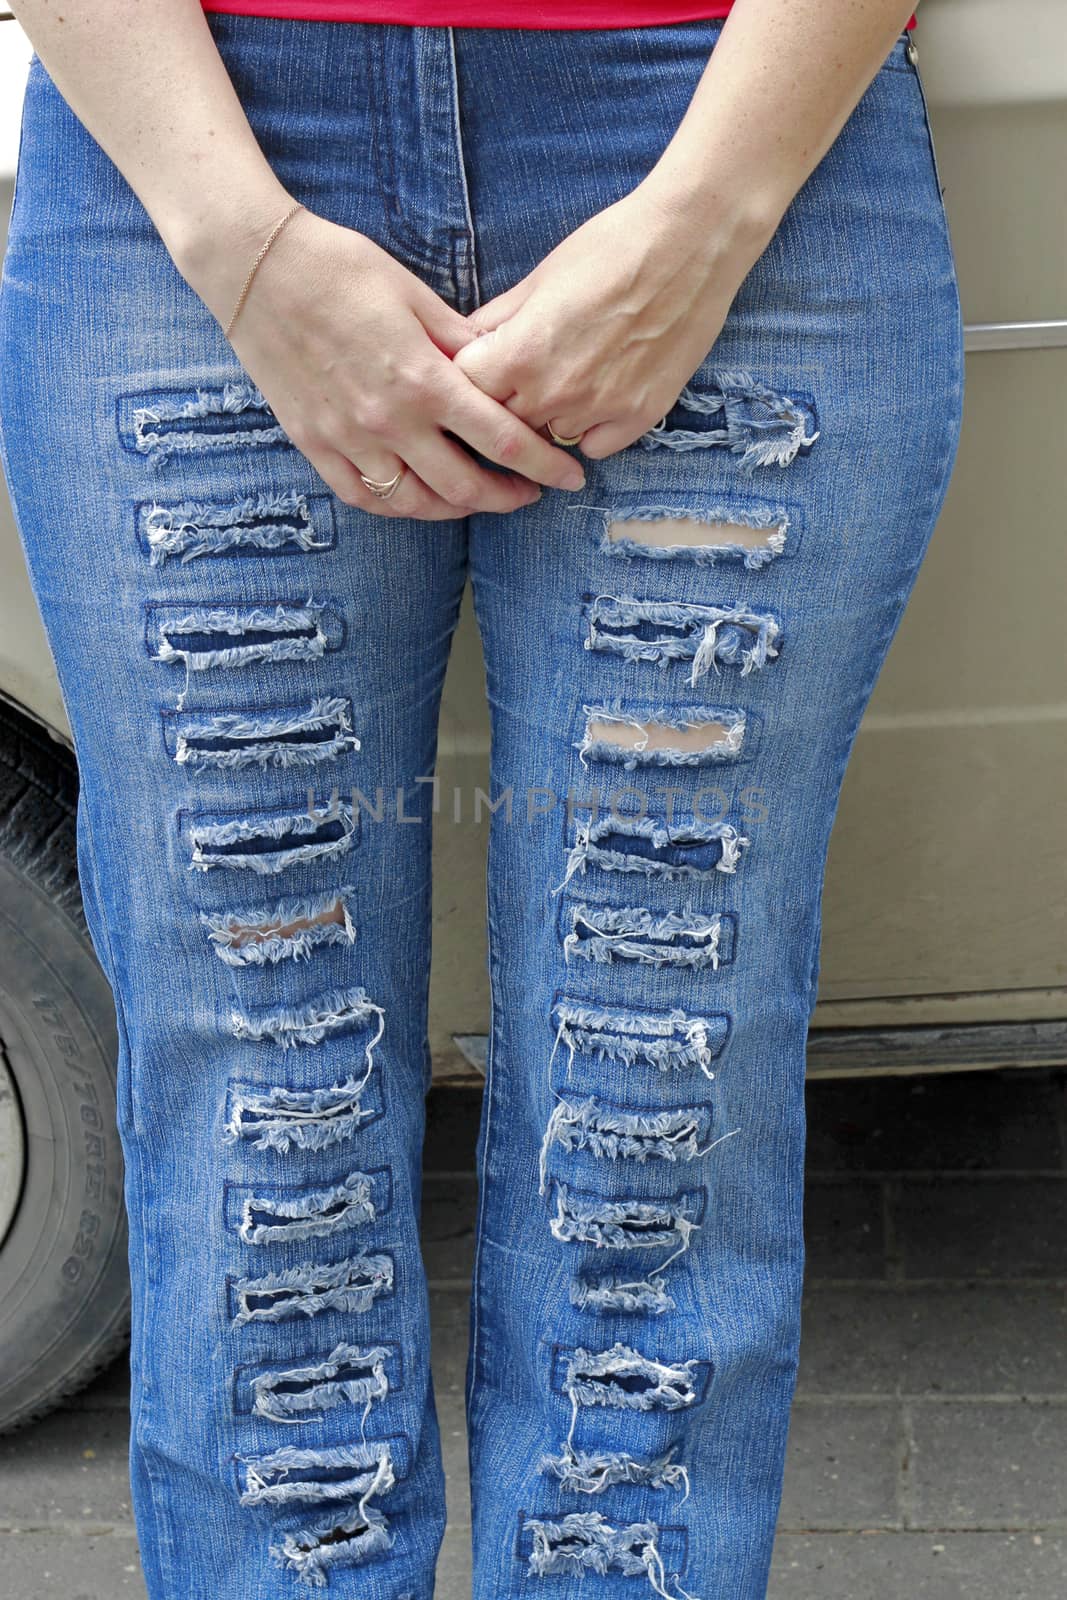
482,13
485,13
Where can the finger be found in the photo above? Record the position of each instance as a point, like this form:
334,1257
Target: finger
568,427
567,424
371,461
449,472
406,496
448,329
438,476
501,436
542,417
534,416
456,477
502,306
606,438
417,502
481,361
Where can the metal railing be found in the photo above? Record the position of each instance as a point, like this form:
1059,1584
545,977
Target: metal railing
1015,335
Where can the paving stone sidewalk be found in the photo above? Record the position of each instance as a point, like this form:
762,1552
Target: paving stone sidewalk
928,1450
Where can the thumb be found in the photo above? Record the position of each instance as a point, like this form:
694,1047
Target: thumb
449,330
493,312
452,332
481,361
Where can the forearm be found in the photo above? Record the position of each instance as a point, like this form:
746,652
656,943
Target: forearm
783,79
146,80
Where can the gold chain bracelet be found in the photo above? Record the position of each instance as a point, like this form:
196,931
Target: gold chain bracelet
264,247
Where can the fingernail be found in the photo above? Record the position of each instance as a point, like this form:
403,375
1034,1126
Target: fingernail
574,478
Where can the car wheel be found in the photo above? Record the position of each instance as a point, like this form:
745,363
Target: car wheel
64,1284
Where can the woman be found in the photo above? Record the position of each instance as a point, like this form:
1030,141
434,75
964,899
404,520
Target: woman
652,315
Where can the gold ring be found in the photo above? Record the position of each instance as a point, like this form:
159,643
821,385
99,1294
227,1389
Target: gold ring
382,488
557,438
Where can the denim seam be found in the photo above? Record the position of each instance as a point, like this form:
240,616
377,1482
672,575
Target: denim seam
418,248
704,1369
171,717
650,872
264,1190
568,1087
611,1103
912,67
322,520
164,1543
371,1100
384,1439
187,814
330,607
487,1123
612,708
464,237
728,921
524,1515
565,996
388,1290
712,506
678,1197
274,443
244,1373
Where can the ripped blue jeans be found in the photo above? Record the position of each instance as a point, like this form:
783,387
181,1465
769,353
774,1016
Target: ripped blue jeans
678,658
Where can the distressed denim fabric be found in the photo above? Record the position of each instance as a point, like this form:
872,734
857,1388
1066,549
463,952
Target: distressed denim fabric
678,658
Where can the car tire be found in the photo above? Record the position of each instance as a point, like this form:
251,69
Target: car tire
64,1277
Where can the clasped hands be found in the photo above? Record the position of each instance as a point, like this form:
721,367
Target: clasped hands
392,395
600,338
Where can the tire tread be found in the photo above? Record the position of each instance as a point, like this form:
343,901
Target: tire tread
38,836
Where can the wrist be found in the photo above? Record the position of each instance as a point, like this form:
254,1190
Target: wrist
711,216
214,243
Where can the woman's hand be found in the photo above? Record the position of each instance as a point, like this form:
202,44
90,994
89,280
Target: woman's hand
602,336
353,352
